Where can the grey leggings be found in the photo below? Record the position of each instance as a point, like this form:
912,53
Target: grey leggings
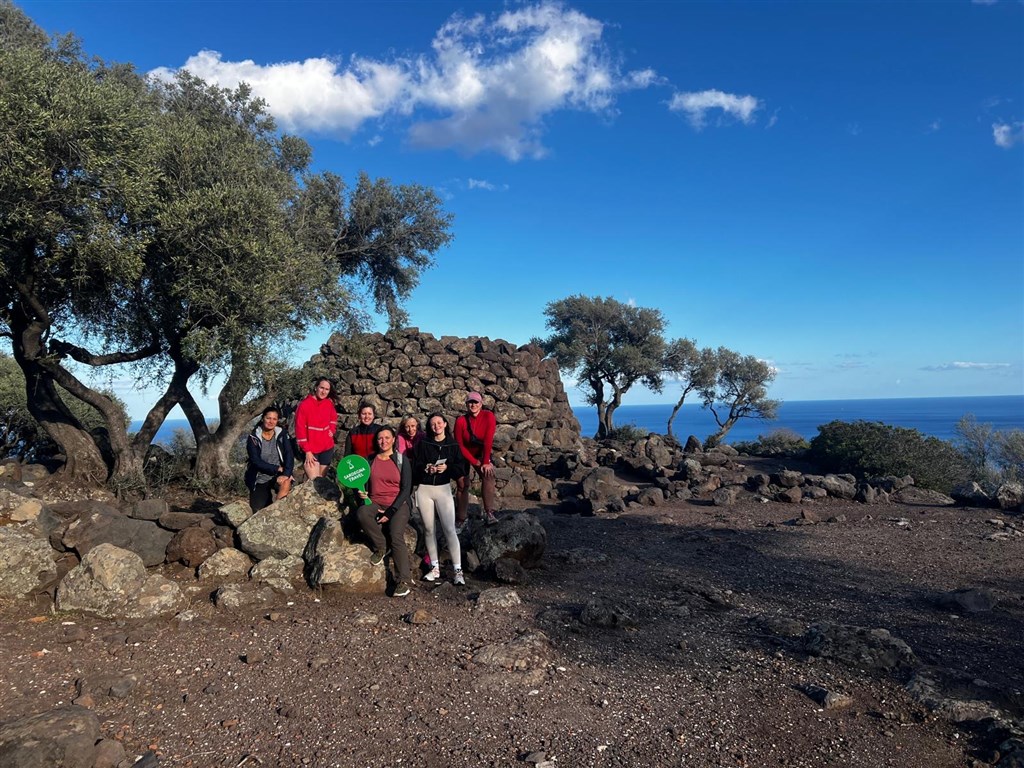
439,497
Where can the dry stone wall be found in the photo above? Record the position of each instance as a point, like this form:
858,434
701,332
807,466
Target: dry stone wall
408,372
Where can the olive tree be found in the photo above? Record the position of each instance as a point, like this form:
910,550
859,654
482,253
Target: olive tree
694,369
738,391
168,225
76,175
608,346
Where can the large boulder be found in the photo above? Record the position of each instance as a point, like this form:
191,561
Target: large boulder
283,528
972,495
839,487
600,484
859,647
61,738
1010,496
519,536
26,563
103,526
911,494
226,563
191,546
335,563
113,583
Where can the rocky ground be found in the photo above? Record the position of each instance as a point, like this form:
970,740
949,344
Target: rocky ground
669,635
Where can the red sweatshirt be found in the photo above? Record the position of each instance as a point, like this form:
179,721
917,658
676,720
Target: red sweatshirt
315,424
482,426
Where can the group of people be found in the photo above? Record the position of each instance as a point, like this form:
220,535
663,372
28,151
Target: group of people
401,460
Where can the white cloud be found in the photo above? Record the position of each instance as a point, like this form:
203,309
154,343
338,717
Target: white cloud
1008,134
984,2
481,184
934,126
491,81
962,366
696,106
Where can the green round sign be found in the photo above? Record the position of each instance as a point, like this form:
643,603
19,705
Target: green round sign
354,472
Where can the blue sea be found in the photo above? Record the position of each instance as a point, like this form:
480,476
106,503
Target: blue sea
936,416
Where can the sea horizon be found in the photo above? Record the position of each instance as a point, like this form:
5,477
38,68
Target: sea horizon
934,416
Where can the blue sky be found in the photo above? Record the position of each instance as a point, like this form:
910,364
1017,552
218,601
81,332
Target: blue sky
837,188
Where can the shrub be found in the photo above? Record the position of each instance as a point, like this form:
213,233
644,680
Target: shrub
868,448
779,442
1009,454
627,433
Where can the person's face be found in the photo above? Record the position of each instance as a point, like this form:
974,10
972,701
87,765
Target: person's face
385,440
366,416
270,419
410,428
437,425
323,389
474,406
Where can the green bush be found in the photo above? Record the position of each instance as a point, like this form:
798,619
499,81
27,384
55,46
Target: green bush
870,448
627,433
1009,454
779,442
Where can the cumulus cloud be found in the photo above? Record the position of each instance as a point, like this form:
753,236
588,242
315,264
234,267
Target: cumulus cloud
488,82
1008,134
962,366
697,105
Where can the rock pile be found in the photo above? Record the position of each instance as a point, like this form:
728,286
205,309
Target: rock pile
408,372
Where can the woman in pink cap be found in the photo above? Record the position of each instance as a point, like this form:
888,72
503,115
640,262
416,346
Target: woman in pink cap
474,432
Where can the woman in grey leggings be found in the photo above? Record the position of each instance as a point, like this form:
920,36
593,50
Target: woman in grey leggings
436,461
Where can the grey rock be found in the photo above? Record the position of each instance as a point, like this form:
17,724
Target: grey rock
859,647
225,563
922,497
839,487
498,597
519,535
144,538
969,600
332,562
26,563
724,497
602,613
971,494
283,528
1010,496
531,650
149,509
113,583
61,738
235,513
651,497
233,596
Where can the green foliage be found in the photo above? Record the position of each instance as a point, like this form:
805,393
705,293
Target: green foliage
627,433
169,226
739,391
866,448
606,345
1009,454
694,369
780,442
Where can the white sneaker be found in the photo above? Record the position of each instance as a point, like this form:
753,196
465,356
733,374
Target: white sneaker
433,575
459,578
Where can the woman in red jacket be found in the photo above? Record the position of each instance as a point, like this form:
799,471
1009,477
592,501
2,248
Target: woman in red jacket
316,421
474,432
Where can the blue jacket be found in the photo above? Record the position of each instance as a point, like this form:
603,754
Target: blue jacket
257,464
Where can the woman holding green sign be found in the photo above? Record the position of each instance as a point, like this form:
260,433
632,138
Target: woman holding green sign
388,490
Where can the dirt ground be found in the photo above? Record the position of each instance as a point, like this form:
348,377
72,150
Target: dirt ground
684,677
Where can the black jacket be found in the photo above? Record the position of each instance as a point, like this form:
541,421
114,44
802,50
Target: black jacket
428,451
257,464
